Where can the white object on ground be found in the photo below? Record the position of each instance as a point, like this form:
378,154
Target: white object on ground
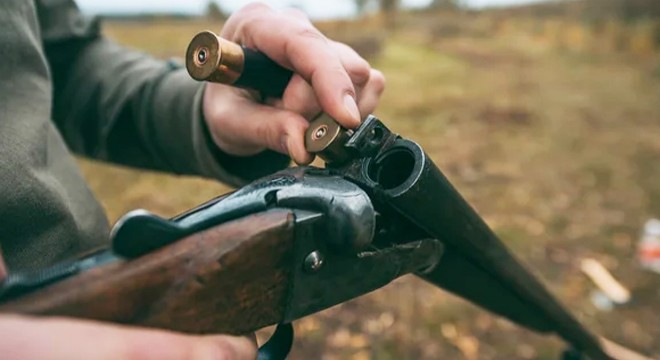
619,352
605,281
601,301
648,247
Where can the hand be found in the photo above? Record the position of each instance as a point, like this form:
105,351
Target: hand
27,338
328,76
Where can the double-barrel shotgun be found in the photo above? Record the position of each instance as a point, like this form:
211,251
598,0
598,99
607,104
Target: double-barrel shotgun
298,241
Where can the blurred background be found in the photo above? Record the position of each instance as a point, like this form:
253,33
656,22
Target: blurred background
545,116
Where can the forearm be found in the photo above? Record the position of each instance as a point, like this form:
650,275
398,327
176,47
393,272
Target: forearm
123,106
104,98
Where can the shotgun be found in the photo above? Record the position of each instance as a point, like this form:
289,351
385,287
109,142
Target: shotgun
297,241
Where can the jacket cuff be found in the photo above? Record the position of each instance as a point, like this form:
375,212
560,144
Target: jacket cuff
190,149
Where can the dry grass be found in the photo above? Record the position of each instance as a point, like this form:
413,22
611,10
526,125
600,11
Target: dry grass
557,149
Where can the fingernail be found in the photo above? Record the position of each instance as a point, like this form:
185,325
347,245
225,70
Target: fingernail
352,108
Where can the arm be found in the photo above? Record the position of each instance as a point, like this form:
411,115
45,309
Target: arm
123,106
126,107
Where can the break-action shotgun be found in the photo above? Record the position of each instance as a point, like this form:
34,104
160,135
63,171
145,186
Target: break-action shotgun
298,241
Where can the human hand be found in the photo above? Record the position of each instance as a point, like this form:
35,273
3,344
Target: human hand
30,338
328,77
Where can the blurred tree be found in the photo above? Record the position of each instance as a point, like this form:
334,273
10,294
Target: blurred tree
389,8
641,8
625,9
214,12
445,4
361,6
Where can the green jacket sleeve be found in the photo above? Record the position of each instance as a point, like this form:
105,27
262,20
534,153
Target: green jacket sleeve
123,106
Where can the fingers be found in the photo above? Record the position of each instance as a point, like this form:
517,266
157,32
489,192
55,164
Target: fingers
369,83
328,77
27,338
297,45
358,69
242,127
371,93
300,96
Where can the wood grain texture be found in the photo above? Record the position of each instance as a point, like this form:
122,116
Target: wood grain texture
232,278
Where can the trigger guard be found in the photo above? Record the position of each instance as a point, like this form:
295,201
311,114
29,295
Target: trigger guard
279,344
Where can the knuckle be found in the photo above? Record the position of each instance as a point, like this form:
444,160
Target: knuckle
334,77
217,113
359,71
214,110
263,132
338,71
378,80
298,37
357,67
348,87
309,32
268,134
241,29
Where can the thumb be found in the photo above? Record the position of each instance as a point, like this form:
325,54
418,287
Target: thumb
28,338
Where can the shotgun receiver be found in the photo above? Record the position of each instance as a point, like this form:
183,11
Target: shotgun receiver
297,242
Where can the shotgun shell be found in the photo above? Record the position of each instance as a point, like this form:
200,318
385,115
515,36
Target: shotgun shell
212,58
326,138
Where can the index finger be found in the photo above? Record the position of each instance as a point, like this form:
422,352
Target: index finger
29,338
297,45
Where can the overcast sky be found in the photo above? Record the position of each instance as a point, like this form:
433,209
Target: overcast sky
315,8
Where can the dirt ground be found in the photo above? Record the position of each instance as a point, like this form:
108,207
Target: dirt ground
559,150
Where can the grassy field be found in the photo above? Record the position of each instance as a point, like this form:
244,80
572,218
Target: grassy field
558,149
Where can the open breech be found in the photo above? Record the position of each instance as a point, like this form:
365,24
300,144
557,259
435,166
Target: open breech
379,211
297,242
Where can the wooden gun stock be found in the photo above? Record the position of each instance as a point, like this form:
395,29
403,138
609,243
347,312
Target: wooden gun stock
232,278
